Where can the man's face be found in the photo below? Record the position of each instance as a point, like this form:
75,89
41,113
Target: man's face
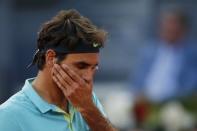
84,64
171,28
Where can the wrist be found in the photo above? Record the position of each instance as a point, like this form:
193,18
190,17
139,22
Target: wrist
87,108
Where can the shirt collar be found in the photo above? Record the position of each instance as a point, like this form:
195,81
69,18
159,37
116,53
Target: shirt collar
41,104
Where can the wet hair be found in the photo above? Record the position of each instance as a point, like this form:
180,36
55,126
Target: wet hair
66,29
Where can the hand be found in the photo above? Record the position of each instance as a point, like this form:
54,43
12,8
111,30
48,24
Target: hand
79,93
74,88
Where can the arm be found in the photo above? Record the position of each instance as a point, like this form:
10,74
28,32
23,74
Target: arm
96,120
79,93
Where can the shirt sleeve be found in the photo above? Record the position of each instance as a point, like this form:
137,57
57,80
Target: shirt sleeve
98,104
7,121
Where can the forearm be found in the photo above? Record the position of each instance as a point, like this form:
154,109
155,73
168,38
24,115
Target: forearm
95,119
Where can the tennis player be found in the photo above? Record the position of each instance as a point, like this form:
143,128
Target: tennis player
60,97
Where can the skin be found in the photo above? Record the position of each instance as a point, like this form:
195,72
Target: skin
171,29
72,80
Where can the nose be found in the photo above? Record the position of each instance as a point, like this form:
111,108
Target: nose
88,75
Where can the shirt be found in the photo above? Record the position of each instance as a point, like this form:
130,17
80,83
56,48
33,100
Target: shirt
27,111
161,83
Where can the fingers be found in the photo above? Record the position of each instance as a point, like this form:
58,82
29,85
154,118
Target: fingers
63,76
64,90
72,85
73,75
65,79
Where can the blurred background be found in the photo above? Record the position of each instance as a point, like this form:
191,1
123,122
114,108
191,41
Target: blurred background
148,72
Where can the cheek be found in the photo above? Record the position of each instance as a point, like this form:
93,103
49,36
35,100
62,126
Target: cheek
81,73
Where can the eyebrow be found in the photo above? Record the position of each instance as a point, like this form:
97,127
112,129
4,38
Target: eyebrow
85,63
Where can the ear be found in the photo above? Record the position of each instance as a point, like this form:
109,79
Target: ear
50,57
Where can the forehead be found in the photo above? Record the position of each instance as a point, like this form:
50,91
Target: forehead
90,58
170,18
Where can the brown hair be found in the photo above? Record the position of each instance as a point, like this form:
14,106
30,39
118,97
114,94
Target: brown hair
66,28
180,14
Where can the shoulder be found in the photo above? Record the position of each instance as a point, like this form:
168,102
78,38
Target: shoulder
15,105
148,50
9,111
8,121
13,101
190,52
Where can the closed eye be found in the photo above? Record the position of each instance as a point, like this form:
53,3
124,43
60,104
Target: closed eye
82,65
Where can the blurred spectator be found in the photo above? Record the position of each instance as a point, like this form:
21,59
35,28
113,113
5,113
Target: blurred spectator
168,66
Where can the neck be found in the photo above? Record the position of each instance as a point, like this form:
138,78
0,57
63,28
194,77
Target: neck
48,90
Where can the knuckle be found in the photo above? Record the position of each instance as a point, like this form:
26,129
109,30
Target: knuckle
72,92
64,76
75,85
